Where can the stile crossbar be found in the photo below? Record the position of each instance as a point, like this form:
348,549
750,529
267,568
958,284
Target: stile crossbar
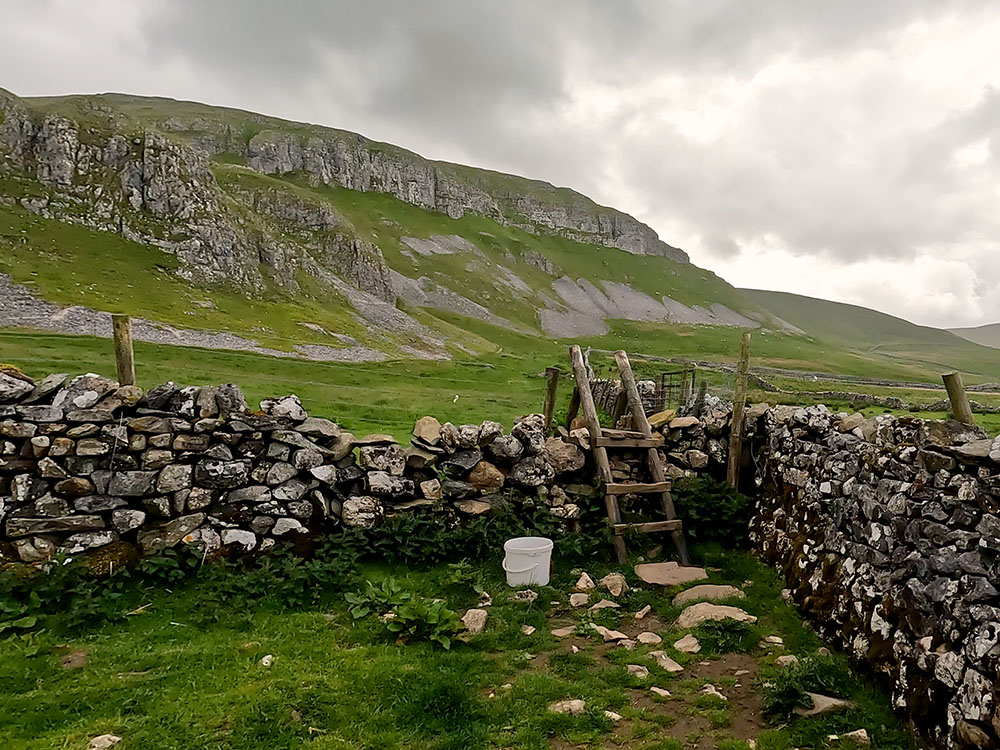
641,436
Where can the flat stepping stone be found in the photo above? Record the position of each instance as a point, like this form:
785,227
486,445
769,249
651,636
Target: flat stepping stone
605,604
696,614
688,645
649,639
578,600
609,635
637,670
571,707
669,573
823,704
614,583
663,693
584,583
563,632
665,661
710,592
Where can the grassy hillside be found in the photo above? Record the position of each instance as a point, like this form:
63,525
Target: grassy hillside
879,336
506,268
988,335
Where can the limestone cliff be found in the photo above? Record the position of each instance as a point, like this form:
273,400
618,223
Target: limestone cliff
113,174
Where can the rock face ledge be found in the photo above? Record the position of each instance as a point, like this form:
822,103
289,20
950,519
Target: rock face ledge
149,177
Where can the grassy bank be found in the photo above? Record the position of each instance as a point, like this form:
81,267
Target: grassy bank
184,670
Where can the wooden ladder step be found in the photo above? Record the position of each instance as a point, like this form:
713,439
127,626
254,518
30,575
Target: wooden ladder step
636,488
613,442
648,527
608,432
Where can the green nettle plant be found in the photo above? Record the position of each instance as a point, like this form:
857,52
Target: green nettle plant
406,615
378,598
425,619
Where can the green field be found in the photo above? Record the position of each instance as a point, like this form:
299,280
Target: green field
390,396
183,657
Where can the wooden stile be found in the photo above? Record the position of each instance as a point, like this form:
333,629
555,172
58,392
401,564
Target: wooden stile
641,436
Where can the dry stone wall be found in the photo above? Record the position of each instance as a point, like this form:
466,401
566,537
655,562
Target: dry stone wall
88,465
887,531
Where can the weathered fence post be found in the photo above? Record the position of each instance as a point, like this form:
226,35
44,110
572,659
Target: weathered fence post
699,402
739,407
960,406
121,326
574,408
686,385
551,383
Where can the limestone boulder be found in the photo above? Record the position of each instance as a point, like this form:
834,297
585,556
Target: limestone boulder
563,457
696,614
486,477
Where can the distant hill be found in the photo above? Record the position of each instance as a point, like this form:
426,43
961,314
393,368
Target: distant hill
312,239
987,335
226,229
862,329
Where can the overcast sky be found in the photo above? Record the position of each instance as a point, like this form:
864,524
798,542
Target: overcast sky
848,150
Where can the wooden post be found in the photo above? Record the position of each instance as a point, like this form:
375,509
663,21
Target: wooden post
699,402
959,401
739,408
121,326
551,383
621,404
574,408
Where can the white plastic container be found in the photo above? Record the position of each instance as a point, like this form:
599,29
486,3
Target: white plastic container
527,560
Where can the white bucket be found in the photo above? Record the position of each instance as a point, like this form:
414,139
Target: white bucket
527,561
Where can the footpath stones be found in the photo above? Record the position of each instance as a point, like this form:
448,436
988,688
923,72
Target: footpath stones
475,620
707,592
665,662
669,573
573,707
614,584
823,704
688,644
696,614
637,670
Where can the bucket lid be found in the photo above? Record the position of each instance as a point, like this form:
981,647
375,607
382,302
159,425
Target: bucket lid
528,545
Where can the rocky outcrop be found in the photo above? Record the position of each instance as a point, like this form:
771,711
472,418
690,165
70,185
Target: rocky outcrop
155,189
352,161
334,157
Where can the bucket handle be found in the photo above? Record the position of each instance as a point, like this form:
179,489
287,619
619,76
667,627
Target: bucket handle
512,570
